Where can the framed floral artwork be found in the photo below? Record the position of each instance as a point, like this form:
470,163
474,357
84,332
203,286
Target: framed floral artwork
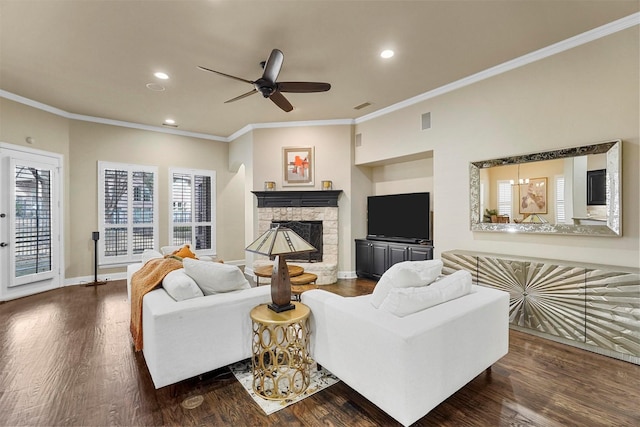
533,196
298,166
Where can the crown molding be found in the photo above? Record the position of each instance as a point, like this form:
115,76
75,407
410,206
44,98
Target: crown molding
84,118
570,43
272,125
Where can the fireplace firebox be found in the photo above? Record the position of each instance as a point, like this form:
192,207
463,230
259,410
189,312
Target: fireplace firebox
311,231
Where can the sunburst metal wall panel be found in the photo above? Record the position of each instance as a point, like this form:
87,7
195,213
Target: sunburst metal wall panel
453,261
545,297
554,299
594,307
507,276
613,310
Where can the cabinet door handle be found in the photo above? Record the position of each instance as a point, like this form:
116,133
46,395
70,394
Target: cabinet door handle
3,244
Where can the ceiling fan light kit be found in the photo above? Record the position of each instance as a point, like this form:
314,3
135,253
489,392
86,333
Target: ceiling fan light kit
268,86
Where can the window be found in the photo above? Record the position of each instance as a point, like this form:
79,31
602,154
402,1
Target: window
127,206
482,204
560,211
192,204
504,198
33,218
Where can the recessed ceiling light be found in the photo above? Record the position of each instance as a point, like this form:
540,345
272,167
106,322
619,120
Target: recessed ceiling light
161,75
170,121
155,86
388,53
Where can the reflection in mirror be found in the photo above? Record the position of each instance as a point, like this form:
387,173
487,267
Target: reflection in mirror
568,191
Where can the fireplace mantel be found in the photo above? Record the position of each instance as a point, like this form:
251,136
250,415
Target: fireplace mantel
285,199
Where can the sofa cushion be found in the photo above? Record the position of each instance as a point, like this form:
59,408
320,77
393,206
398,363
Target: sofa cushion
405,275
404,301
169,250
149,254
181,286
215,277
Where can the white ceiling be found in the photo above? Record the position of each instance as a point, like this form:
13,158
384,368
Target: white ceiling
94,58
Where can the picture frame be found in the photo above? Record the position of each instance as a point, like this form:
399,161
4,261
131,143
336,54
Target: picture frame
533,196
298,166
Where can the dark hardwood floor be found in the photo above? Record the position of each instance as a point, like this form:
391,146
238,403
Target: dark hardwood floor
66,359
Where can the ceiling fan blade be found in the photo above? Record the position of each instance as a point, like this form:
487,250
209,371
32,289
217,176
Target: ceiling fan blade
244,95
226,75
281,101
303,87
273,65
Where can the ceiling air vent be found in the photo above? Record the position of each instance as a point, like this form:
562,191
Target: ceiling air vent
361,106
426,121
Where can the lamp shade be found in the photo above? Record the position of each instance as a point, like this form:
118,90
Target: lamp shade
535,218
279,241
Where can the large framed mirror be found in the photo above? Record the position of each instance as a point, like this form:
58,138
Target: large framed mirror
568,191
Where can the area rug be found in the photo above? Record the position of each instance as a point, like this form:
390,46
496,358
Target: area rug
320,379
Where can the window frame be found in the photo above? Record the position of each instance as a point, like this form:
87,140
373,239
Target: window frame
500,204
559,199
130,257
212,251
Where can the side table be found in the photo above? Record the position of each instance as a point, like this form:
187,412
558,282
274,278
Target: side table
302,283
267,270
280,361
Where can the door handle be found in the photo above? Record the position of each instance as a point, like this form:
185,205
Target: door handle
2,215
3,244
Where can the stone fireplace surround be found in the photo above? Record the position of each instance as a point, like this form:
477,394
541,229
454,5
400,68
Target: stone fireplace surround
304,206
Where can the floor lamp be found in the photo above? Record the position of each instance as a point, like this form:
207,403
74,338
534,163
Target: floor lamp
95,236
280,242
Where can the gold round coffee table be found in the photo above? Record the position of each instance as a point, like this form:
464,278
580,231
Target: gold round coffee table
267,270
280,361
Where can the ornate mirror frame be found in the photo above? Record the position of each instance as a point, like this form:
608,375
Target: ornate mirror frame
613,227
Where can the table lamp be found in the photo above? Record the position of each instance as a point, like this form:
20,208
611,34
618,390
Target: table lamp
535,218
280,242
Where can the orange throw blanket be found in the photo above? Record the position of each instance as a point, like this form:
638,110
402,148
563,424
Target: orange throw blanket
143,281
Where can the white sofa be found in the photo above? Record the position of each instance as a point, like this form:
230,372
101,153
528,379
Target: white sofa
408,365
183,339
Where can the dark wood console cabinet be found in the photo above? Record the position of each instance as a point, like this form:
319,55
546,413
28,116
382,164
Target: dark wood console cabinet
374,257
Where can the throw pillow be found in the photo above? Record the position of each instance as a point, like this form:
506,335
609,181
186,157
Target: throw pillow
405,301
215,277
168,250
404,275
185,252
180,286
150,254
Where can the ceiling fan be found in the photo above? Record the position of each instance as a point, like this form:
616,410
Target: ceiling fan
271,89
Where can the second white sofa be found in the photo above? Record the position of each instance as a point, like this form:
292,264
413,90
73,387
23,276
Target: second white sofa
408,365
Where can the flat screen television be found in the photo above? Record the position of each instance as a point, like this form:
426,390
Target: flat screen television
399,217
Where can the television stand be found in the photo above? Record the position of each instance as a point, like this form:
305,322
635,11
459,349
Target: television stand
374,257
411,241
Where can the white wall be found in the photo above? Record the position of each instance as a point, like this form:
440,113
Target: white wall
82,144
585,95
50,133
90,142
333,161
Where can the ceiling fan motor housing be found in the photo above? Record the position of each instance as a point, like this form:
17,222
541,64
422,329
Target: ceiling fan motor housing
265,87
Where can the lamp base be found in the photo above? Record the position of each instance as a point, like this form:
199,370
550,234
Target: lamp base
280,308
